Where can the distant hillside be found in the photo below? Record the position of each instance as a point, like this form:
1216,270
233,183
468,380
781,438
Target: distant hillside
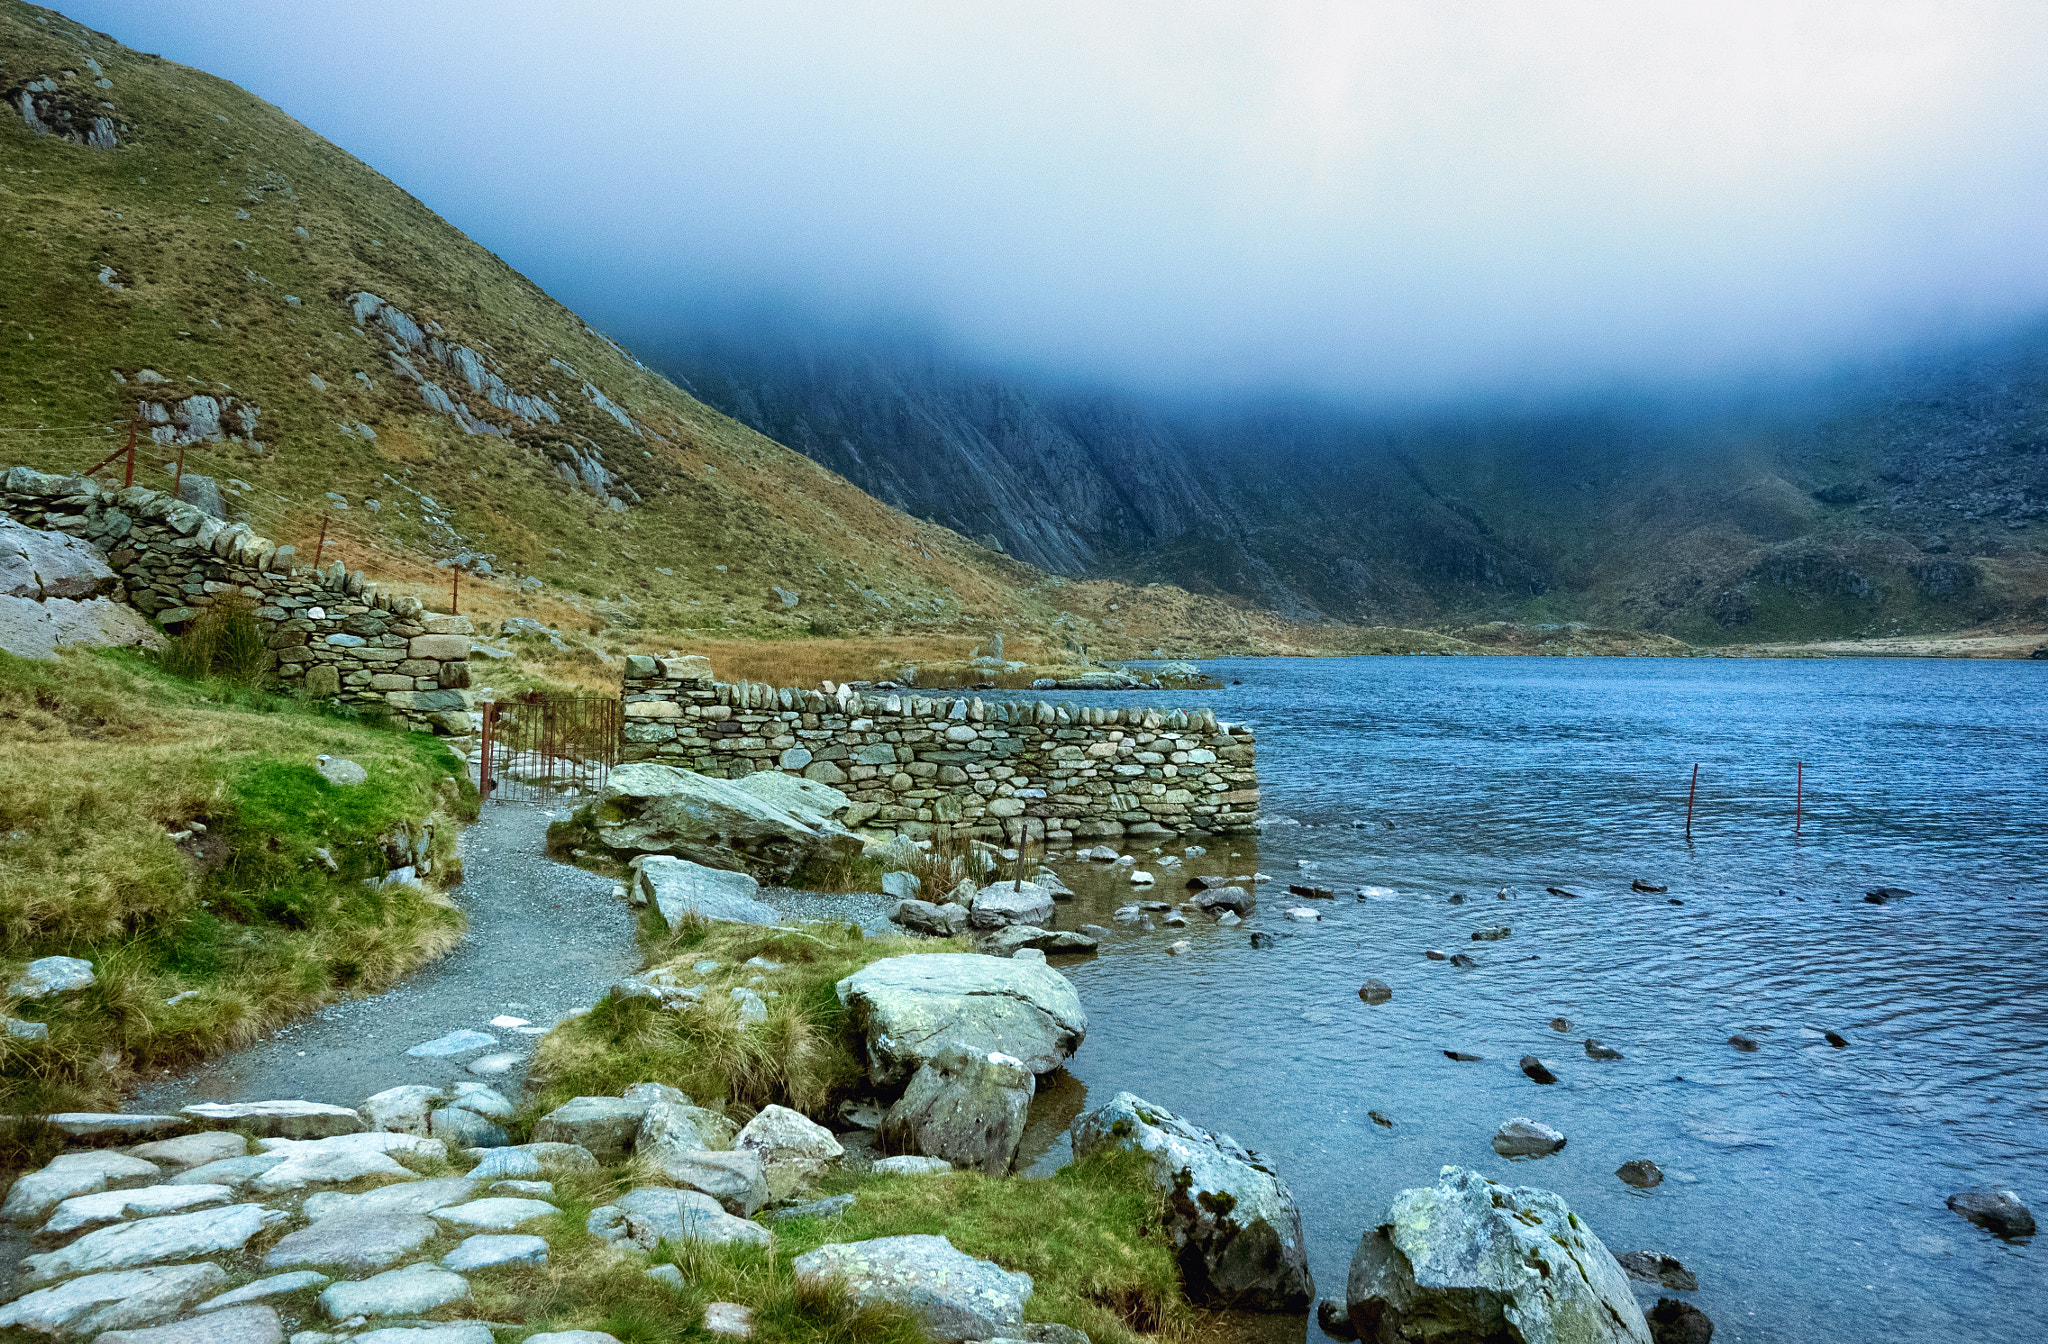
179,255
1906,499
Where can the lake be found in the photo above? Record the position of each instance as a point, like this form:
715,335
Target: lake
1805,1183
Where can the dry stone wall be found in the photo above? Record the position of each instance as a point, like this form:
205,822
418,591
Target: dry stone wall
330,631
912,762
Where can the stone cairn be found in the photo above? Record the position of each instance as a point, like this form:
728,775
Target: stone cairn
330,631
1042,770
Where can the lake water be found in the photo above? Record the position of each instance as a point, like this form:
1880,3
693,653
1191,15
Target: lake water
1805,1183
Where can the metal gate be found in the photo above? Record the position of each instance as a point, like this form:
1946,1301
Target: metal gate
543,746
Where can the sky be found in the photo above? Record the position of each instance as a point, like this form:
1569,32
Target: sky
1372,201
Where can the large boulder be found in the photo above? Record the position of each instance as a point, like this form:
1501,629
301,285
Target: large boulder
678,1127
966,1107
659,809
953,1296
805,798
1236,1229
605,1126
909,1008
1467,1260
37,565
793,1149
681,890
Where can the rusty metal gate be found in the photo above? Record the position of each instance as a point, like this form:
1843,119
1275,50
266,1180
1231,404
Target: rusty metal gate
544,746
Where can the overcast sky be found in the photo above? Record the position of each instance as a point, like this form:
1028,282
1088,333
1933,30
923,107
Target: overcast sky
1360,199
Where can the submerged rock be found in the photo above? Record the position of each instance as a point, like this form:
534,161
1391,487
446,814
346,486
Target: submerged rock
1744,1044
1466,1261
1376,991
1595,1050
1234,1223
1836,1039
1536,1070
1560,1024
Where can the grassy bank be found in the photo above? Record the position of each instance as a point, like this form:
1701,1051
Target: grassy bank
802,1056
171,832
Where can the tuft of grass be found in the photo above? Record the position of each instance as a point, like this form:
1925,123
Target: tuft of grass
802,1056
103,759
223,642
1089,1236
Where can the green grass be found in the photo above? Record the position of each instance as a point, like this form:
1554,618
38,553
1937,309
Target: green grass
103,757
803,1056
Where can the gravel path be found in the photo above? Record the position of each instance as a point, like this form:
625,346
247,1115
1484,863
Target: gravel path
544,939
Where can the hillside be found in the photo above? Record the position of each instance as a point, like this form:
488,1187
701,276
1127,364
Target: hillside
180,256
1907,498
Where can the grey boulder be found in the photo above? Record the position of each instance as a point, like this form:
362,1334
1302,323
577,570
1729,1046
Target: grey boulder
528,1159
605,1126
1022,937
1007,903
461,1128
965,1106
52,975
403,1110
1235,1227
278,1119
1236,900
1522,1137
680,890
907,1009
735,1179
358,1244
1998,1211
659,809
417,1197
489,1250
794,1150
953,1296
496,1213
939,921
277,1285
654,1214
1469,1259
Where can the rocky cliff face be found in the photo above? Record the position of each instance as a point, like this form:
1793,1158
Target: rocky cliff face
1906,498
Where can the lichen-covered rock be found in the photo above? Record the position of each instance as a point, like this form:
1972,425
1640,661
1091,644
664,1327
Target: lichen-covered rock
793,1149
659,809
278,1119
653,1214
940,921
153,1241
953,1296
966,1107
909,1008
604,1125
735,1179
1235,1226
1007,903
123,1300
401,1109
1468,1260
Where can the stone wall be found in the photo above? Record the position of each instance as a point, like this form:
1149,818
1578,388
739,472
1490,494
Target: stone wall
911,761
331,632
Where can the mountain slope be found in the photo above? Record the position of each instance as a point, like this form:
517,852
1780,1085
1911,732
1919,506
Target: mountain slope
1906,498
178,255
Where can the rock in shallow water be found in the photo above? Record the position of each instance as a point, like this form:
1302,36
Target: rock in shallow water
1658,1268
1375,991
1536,1070
1523,1137
1595,1050
966,1106
1998,1211
1744,1044
1234,1223
1641,1173
1674,1322
1467,1259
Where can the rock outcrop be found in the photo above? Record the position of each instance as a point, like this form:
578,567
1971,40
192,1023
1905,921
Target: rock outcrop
1235,1226
1467,1261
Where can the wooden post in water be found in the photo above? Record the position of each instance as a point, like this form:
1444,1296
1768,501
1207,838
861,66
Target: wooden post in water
1690,795
1799,801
